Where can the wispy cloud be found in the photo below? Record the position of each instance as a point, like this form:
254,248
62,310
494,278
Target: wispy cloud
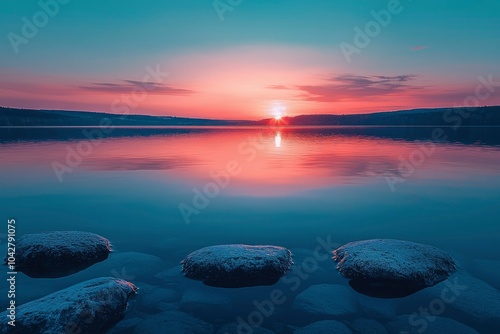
279,87
127,86
419,47
348,86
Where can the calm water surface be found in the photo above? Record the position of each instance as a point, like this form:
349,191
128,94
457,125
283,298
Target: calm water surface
297,188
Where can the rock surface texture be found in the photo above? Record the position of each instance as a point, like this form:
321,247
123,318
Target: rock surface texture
90,307
61,253
234,266
392,268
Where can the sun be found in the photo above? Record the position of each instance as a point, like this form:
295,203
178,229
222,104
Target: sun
277,110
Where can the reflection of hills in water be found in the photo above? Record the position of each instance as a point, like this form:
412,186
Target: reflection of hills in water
476,135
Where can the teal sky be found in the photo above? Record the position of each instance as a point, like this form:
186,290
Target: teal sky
264,57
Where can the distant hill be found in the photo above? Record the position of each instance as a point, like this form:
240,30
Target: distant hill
483,116
30,117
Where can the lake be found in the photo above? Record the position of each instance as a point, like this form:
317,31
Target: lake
160,193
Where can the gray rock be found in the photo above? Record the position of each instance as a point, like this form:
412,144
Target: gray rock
238,328
90,307
58,254
324,327
417,325
367,326
196,300
234,266
326,300
392,268
174,322
465,293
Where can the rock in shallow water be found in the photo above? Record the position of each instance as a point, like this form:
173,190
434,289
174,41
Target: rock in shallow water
150,297
376,308
90,307
61,253
235,266
237,328
326,300
208,303
478,301
392,268
324,327
367,326
416,325
174,322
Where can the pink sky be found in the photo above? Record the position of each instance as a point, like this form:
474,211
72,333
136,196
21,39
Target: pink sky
243,82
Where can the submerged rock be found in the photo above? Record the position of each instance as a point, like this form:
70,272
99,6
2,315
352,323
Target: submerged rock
235,266
475,299
90,307
421,324
237,328
376,308
326,300
388,268
61,253
174,322
324,327
367,326
205,302
171,276
151,297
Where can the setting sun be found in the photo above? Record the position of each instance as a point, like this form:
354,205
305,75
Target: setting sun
277,110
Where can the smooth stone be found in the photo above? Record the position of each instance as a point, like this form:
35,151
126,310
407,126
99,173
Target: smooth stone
199,301
150,296
488,271
174,322
237,328
419,325
58,254
469,295
376,308
367,326
324,327
171,275
162,306
326,300
235,266
387,268
93,306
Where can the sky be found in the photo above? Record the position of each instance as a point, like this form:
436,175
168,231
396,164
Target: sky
248,59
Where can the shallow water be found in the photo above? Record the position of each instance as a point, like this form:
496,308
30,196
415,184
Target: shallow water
301,188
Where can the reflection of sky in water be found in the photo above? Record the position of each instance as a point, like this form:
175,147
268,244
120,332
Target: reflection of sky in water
292,187
293,184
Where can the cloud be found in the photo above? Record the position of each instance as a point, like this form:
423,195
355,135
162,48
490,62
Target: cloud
348,87
279,87
419,47
128,86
